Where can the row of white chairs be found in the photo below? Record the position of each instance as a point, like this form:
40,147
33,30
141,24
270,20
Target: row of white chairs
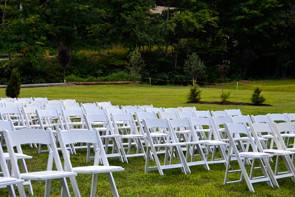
54,170
179,137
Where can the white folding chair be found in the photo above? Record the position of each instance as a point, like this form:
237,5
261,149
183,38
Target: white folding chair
101,123
90,137
74,118
218,114
277,118
260,119
161,140
39,136
235,131
205,131
7,181
90,108
50,118
203,114
290,117
140,116
124,125
8,126
169,115
190,143
259,130
14,114
233,112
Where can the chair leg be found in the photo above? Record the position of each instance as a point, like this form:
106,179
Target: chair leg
11,190
94,185
113,185
65,192
75,186
21,190
47,188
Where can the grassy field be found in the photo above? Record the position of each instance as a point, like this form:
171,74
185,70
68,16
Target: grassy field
280,94
133,181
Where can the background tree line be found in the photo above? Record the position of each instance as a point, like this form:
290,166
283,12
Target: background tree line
49,40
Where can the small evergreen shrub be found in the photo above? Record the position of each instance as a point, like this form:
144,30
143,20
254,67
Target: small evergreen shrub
224,96
257,98
13,86
194,95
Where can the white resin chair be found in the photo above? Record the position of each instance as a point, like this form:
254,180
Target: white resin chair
235,131
125,126
100,165
112,141
39,136
7,181
192,147
233,112
259,130
161,142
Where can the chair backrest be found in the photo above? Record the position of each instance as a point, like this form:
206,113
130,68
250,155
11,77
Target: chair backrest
6,125
260,119
242,119
236,129
234,132
291,117
285,127
82,136
183,125
156,125
277,118
13,113
219,114
146,115
74,118
205,113
233,112
100,122
124,124
169,115
31,136
187,114
90,108
104,105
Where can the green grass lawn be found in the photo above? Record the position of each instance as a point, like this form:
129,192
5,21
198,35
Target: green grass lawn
133,181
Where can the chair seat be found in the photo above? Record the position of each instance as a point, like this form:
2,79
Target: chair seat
183,131
4,181
132,136
278,152
111,136
97,169
215,142
288,134
46,175
18,156
158,134
254,154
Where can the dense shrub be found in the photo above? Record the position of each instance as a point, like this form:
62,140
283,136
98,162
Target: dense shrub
257,98
13,86
194,94
224,96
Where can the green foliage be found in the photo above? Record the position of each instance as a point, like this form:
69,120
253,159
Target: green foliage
254,37
257,98
194,94
14,83
136,63
224,96
116,76
195,67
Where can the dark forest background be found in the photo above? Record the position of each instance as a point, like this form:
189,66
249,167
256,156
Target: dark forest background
90,40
